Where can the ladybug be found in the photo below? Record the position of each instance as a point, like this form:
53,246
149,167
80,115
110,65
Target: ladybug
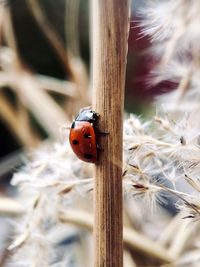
83,135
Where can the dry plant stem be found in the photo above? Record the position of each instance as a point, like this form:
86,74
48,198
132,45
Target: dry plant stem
144,245
10,207
11,117
132,240
110,24
9,34
128,260
180,239
73,64
168,233
50,115
33,99
184,84
80,76
72,26
58,86
5,253
2,17
50,34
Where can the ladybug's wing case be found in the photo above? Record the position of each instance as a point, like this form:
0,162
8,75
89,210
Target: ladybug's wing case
83,141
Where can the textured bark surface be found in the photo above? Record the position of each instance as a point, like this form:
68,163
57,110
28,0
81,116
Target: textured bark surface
110,25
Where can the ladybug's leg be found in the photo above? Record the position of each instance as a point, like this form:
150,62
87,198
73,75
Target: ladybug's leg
98,132
99,148
104,133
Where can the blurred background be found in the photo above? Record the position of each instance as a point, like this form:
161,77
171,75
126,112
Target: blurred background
45,70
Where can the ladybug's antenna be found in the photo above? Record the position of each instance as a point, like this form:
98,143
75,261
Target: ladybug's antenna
85,108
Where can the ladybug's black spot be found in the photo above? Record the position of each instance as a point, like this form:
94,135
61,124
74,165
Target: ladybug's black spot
87,135
88,156
75,142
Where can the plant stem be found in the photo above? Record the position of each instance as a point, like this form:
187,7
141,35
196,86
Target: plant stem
133,240
110,25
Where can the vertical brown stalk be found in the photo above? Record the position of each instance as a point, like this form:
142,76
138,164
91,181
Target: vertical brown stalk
110,24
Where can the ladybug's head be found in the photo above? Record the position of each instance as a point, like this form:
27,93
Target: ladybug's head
87,115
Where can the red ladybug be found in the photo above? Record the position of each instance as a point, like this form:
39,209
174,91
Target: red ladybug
83,134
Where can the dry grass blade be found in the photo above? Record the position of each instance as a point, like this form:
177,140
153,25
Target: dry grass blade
72,27
45,109
9,207
168,233
192,182
132,239
2,18
51,35
141,243
179,242
72,63
80,76
48,113
128,260
10,116
9,33
184,84
65,88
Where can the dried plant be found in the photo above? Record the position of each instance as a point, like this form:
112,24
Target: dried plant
156,159
161,163
30,89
